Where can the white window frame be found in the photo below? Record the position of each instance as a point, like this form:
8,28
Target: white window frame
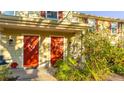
52,18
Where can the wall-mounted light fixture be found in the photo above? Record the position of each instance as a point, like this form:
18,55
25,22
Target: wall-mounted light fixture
10,41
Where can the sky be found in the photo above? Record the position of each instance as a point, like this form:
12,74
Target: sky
113,14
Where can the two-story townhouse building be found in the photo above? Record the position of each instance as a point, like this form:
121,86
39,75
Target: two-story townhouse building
37,38
40,38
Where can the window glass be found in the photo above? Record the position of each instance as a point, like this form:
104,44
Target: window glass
114,27
51,14
92,24
9,13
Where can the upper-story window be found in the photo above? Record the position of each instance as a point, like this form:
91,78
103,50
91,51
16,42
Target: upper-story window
92,24
52,14
8,13
114,27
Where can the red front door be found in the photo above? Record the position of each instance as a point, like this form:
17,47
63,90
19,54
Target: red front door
56,49
31,51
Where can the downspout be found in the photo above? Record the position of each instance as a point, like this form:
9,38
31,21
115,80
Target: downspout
81,42
0,43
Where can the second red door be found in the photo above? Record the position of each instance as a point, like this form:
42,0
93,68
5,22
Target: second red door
56,49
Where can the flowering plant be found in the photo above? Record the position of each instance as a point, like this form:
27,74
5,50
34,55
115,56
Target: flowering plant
14,64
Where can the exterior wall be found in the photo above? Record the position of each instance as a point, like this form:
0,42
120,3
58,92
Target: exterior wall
75,46
45,50
103,26
65,47
29,15
14,52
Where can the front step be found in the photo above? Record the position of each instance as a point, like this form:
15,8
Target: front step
40,74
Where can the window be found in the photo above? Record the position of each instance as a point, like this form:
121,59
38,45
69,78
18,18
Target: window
8,13
75,19
114,27
52,14
92,24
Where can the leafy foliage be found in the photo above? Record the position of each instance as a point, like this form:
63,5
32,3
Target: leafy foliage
4,72
119,69
117,60
68,70
101,59
97,50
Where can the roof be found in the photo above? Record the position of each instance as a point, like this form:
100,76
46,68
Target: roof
99,17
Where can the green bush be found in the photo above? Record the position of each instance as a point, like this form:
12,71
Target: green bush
68,70
97,53
116,60
4,72
119,69
102,58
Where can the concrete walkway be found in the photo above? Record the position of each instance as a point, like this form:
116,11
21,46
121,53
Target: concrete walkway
115,77
40,74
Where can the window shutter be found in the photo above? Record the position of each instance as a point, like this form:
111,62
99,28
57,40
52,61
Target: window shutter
110,26
60,14
86,20
42,13
97,27
119,27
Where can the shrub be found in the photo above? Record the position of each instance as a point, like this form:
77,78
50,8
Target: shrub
119,69
97,53
101,57
68,70
4,72
116,60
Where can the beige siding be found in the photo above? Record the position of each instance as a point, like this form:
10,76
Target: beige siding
12,52
65,47
44,50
